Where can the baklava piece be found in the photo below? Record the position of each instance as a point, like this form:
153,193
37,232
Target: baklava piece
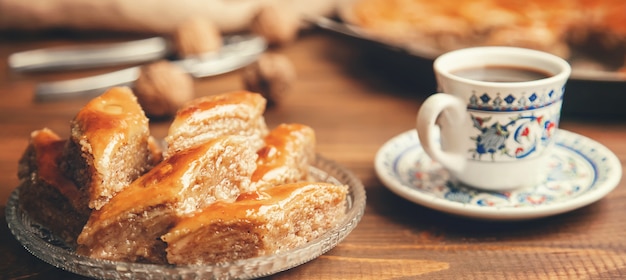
258,223
50,199
108,146
209,117
128,227
289,150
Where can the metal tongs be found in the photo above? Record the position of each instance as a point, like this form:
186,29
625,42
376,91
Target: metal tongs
237,51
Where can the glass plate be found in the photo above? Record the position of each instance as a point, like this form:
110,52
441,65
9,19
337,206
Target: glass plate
47,247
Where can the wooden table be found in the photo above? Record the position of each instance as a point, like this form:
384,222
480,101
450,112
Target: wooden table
356,97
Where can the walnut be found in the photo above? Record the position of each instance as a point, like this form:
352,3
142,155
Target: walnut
197,36
162,88
272,75
278,24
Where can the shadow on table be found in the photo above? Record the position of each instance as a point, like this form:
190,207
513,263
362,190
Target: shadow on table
460,229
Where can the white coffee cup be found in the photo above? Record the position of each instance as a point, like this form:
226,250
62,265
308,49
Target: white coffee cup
493,131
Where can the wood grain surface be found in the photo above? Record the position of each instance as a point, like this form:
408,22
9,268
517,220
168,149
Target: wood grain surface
356,97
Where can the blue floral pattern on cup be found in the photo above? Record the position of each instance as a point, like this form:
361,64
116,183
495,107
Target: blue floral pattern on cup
522,128
527,132
486,101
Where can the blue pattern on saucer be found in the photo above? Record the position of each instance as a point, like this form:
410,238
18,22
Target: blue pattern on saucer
581,172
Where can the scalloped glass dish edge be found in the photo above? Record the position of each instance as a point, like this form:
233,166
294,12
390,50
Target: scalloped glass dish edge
39,242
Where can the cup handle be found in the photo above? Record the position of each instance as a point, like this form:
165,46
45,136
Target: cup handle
449,114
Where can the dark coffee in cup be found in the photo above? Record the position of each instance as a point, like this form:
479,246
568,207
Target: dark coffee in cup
501,73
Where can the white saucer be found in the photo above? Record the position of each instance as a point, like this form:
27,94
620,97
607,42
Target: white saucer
582,172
